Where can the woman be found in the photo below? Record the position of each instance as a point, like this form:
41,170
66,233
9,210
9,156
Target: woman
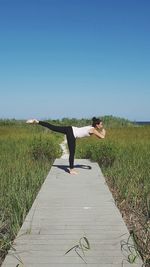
72,133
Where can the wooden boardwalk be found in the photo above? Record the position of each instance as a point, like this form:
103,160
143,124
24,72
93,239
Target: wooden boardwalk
68,208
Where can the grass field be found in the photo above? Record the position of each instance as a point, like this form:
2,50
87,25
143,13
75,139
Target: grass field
26,155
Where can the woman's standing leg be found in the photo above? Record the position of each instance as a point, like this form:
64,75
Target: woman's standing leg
71,145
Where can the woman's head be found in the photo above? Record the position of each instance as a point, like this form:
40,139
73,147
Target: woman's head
97,123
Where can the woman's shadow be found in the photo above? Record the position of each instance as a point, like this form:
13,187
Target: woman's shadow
66,168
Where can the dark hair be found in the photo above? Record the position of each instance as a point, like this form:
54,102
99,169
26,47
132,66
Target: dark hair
95,121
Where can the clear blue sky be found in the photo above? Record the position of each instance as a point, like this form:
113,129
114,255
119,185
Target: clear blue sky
74,58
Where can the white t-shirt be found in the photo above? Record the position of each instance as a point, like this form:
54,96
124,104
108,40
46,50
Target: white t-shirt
80,132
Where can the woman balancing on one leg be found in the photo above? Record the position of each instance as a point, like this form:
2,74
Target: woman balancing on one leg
72,133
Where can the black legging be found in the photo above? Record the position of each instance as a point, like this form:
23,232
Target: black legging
70,138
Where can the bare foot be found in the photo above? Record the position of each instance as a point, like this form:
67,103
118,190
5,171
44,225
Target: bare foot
33,121
72,171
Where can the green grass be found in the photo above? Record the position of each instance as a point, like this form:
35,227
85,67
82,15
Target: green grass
26,155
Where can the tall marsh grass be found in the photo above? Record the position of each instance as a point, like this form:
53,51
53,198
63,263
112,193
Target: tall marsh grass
124,157
26,154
